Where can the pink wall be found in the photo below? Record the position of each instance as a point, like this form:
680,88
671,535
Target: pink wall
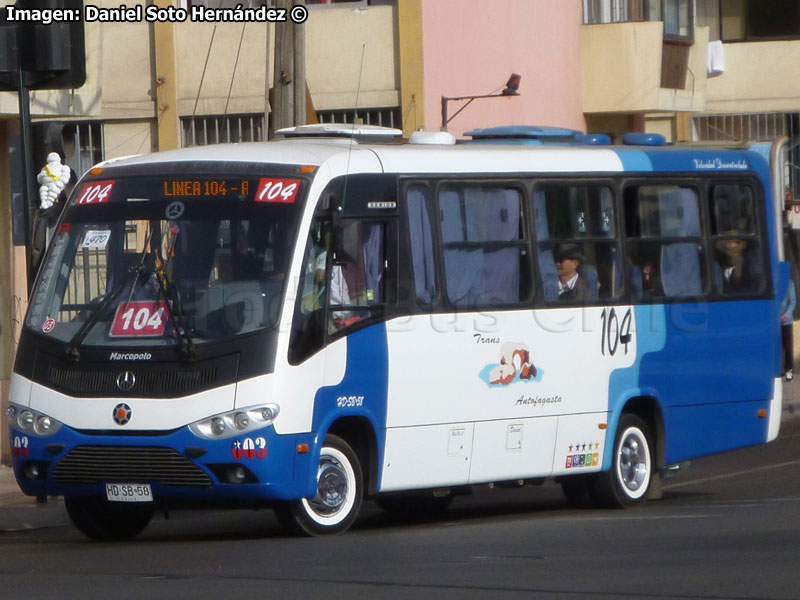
471,47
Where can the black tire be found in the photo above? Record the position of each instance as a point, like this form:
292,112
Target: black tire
627,483
99,519
425,502
340,492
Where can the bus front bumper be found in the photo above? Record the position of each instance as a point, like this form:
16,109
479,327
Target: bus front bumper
258,466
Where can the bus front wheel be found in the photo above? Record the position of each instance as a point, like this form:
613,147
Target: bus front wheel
100,519
340,489
628,481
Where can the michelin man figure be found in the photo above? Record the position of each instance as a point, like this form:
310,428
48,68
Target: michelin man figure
52,179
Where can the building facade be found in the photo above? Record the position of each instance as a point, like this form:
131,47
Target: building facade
701,70
158,86
704,70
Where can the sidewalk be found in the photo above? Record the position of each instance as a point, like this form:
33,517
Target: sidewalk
19,512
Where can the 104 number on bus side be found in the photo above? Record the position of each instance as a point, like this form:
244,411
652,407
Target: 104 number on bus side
615,333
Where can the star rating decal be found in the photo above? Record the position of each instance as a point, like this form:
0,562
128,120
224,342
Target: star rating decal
586,454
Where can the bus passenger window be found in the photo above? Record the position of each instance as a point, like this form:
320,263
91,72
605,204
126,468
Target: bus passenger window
485,248
664,249
577,255
738,255
418,204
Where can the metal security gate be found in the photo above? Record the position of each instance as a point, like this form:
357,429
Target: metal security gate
206,130
755,127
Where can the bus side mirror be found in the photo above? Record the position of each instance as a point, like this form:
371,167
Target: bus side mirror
346,241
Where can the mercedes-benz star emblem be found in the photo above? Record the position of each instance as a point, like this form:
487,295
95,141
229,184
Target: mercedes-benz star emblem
122,414
125,381
175,210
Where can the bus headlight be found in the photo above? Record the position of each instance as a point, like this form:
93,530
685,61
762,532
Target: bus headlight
25,420
218,426
235,422
32,422
241,421
43,424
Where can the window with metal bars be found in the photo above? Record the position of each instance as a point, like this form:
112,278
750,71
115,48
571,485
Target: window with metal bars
220,129
385,117
79,143
754,127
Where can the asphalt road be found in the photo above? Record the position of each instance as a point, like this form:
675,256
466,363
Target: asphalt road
728,528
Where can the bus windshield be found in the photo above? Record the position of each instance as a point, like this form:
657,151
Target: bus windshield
159,261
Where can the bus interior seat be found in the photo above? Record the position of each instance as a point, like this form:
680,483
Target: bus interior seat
549,274
680,269
637,286
589,273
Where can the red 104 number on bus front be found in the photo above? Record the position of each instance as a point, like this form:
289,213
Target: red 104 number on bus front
140,318
95,192
277,190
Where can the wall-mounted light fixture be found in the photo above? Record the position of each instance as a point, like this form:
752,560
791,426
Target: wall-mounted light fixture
511,89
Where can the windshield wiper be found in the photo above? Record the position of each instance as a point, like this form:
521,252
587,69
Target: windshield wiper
73,347
175,310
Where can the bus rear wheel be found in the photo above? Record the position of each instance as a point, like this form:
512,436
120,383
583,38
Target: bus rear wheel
340,490
628,481
99,519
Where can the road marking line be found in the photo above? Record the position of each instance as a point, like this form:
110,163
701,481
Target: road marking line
652,518
729,475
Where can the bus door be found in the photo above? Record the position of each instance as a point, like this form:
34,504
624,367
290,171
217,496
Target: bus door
346,291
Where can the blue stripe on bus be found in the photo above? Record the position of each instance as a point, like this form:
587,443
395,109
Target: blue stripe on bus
700,161
366,376
707,384
634,160
651,335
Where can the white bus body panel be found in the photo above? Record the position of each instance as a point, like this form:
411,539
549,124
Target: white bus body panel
513,449
516,159
579,436
775,408
148,414
427,457
20,393
441,367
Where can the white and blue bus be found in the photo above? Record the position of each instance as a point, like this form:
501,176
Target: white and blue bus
305,323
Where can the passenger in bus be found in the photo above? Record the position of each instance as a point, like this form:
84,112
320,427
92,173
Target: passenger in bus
571,286
338,287
645,279
736,268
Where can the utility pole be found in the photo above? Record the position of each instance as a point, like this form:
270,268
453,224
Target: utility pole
289,76
268,102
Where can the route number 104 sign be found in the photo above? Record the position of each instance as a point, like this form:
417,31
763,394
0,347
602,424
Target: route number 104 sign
140,319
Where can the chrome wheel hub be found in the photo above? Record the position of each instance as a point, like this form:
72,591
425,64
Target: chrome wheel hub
633,462
331,487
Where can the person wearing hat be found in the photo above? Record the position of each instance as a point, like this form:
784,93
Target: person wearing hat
737,269
571,286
